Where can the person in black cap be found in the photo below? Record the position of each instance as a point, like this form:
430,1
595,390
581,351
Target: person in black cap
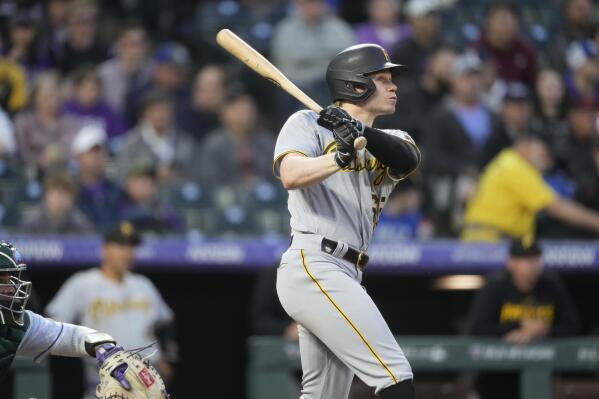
522,303
125,305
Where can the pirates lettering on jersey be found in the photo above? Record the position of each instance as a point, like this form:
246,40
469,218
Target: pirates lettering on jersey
370,163
515,312
101,308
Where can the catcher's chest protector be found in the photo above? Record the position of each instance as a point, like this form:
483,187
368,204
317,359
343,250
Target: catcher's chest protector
11,335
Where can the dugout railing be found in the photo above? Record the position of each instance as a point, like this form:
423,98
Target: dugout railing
273,362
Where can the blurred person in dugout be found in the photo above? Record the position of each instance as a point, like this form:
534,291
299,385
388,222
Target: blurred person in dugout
125,305
511,192
522,303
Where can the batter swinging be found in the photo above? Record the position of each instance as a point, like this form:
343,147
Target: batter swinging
335,198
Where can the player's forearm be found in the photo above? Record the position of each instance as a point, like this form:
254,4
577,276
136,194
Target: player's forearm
573,213
49,337
393,152
299,171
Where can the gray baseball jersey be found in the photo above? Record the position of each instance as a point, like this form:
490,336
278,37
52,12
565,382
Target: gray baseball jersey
346,206
341,331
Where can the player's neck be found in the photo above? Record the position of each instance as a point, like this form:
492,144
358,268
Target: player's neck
359,113
111,274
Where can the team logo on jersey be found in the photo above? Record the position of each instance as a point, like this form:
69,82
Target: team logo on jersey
366,162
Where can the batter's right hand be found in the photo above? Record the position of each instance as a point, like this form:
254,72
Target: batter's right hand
344,156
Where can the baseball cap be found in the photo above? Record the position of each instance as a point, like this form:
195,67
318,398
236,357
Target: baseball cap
524,248
516,91
123,233
466,63
172,53
88,137
579,52
420,8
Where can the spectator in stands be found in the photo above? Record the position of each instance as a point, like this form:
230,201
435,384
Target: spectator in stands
252,20
521,304
126,305
383,26
304,42
455,142
157,142
582,77
414,51
171,64
209,91
419,96
13,86
516,114
234,152
87,103
57,214
580,20
99,198
143,206
129,70
511,192
53,26
587,191
23,45
515,59
401,218
577,152
550,107
44,134
82,45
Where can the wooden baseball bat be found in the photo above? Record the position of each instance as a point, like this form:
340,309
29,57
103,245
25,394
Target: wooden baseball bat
253,59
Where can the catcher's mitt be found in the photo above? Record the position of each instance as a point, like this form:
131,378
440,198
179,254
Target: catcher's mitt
126,375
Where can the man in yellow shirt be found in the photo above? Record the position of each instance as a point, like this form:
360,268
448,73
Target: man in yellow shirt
512,191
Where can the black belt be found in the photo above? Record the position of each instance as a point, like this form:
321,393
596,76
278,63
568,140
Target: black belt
354,256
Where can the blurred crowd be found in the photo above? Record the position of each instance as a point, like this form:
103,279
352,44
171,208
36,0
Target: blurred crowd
129,110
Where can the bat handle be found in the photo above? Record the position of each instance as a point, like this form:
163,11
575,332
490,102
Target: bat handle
360,143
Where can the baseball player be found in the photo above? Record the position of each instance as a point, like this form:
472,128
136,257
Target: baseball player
112,299
27,334
336,194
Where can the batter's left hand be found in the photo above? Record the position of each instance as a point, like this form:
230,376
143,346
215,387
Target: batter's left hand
332,116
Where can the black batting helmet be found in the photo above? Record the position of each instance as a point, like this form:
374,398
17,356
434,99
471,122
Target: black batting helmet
349,71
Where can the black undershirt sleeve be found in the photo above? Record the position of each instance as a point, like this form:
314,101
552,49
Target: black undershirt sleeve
401,156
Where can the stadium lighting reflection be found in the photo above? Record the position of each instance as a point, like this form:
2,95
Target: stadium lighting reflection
459,282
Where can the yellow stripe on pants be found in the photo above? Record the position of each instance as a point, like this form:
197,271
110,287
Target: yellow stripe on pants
346,317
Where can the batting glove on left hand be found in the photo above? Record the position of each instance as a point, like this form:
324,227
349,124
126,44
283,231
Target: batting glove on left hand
345,128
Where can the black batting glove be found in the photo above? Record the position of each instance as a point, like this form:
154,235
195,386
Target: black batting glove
331,116
345,128
344,156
